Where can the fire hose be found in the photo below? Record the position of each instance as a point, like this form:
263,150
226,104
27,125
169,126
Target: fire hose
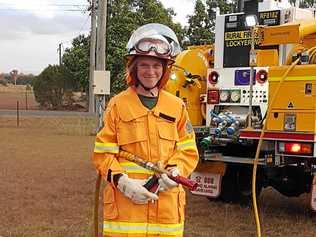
190,184
311,51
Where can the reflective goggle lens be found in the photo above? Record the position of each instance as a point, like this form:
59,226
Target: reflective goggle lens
158,46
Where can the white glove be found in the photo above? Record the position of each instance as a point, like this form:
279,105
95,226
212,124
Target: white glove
165,183
134,190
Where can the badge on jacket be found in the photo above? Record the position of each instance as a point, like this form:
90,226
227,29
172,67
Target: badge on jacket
189,127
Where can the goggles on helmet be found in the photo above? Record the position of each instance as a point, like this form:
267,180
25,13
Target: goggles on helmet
160,47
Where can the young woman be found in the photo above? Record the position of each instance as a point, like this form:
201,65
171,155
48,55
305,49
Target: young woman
153,124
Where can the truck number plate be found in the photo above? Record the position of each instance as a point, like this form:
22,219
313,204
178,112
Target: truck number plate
208,184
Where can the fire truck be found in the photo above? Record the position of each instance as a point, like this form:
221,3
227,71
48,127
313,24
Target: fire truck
252,100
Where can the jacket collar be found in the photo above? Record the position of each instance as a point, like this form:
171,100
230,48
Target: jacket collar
132,108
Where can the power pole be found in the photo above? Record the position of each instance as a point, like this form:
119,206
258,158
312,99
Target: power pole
101,42
92,56
101,34
59,53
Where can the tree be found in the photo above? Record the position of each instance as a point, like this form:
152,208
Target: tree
124,17
200,30
224,6
14,75
307,3
25,79
49,87
76,64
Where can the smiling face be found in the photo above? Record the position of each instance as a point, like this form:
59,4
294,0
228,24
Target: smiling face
149,71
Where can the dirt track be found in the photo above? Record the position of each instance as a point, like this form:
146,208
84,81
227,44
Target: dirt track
47,184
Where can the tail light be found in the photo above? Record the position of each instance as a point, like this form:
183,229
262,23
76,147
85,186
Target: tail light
213,77
213,96
262,76
296,148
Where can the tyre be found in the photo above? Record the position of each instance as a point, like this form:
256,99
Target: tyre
237,185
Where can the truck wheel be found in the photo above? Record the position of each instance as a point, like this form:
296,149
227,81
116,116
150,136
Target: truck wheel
236,185
244,180
229,191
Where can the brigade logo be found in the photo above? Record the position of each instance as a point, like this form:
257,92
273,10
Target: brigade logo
189,127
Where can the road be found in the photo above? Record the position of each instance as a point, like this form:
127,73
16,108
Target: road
39,113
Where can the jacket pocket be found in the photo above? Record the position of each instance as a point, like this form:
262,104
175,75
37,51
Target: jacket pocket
168,135
110,207
131,131
171,205
168,207
182,203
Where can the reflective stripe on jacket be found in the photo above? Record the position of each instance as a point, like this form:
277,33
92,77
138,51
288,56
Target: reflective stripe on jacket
142,228
162,134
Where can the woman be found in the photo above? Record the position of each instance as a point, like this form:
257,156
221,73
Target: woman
149,122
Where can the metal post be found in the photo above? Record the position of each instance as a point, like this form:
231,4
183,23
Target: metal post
59,53
26,106
17,114
252,64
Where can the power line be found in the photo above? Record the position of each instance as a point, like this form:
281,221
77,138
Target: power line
84,24
80,31
39,9
51,4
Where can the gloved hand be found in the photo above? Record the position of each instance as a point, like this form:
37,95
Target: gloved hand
165,183
134,190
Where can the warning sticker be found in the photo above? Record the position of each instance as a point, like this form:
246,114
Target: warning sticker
208,184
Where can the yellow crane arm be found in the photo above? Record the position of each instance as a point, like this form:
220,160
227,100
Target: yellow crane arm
291,33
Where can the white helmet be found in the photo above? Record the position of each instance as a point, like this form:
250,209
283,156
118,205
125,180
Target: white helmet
154,40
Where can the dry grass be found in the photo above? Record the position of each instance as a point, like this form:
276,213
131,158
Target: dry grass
9,95
47,185
59,125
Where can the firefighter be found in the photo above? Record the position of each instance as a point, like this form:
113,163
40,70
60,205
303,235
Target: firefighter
151,123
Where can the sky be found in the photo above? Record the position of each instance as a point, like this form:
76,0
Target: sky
31,30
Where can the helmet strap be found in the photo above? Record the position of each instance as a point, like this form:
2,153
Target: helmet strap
148,88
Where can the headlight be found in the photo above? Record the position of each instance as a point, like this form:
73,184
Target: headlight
173,77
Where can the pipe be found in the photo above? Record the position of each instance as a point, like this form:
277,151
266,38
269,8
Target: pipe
203,110
307,28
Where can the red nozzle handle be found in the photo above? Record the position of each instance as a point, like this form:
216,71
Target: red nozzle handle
190,184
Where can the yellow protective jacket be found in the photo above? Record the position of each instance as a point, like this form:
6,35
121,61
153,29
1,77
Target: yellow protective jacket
161,134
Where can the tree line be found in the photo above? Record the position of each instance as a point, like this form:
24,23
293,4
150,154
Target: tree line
123,17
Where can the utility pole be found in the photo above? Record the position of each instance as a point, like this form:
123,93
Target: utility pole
100,65
101,34
92,56
59,53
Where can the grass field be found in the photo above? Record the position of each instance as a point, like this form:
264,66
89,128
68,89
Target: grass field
47,184
9,95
